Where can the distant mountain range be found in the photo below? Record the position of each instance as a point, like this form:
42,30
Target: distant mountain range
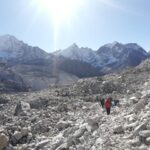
24,67
109,57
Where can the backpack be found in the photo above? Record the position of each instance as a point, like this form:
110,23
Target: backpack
108,103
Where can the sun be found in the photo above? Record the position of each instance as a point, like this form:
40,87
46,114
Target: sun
59,10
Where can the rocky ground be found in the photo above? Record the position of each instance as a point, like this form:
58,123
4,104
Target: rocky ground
69,118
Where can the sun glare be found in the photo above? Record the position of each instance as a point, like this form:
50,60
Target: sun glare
59,10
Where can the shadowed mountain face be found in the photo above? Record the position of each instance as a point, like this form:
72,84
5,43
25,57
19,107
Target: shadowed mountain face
10,80
79,68
31,68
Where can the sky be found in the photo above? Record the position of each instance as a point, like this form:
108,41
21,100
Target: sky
57,24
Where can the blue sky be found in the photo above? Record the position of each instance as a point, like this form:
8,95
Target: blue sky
92,24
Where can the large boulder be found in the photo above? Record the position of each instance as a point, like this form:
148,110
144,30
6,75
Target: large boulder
133,99
134,142
131,126
40,127
21,137
79,132
118,129
144,133
22,109
3,141
41,144
92,124
138,129
139,106
39,103
62,107
62,125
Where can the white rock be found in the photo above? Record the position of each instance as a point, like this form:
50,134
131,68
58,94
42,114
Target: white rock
62,125
61,147
139,128
143,147
131,117
17,135
24,131
93,148
134,142
118,129
99,141
145,133
133,99
42,144
80,147
93,124
131,126
29,137
138,107
148,140
79,132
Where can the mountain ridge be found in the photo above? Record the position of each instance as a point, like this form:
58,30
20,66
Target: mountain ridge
38,69
113,55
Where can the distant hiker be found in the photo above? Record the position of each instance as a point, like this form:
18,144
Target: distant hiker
102,101
97,98
108,105
116,102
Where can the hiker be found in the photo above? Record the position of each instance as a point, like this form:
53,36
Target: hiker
116,102
97,98
102,101
108,105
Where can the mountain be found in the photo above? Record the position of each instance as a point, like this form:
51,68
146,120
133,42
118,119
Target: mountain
31,68
109,57
118,56
82,54
35,68
12,48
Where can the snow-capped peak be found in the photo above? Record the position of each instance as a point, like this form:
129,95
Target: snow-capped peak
74,52
74,45
9,42
11,47
113,44
84,54
8,37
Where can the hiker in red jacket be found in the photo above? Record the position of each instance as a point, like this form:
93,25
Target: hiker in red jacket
108,105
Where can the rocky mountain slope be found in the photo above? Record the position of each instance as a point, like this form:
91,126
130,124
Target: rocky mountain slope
69,118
